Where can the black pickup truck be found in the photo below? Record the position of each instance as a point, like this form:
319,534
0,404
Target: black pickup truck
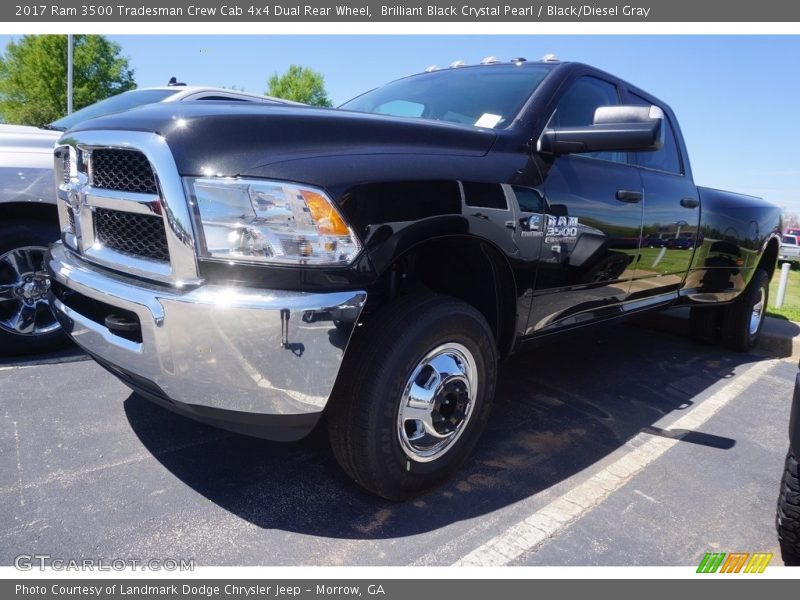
256,267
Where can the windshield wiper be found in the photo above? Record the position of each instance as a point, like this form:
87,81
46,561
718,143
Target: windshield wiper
52,127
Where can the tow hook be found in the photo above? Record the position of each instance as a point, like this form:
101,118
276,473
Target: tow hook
121,324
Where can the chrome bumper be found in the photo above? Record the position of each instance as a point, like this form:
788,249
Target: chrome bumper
240,351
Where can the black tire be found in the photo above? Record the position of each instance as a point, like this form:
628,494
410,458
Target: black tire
787,518
704,323
737,333
364,413
34,237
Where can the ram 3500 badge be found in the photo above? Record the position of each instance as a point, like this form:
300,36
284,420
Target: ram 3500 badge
258,266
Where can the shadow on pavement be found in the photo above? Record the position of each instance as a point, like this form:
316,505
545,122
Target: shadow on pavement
70,354
777,337
559,409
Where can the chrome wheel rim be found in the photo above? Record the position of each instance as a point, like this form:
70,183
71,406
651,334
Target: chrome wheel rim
24,307
437,402
757,313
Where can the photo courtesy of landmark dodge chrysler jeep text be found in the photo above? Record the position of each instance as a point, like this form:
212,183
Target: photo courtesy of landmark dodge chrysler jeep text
256,267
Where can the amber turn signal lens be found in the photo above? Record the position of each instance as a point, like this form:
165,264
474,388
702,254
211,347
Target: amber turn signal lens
325,217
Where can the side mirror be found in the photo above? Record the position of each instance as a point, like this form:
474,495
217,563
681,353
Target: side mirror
615,128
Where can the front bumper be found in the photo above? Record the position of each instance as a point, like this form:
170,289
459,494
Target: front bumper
258,361
788,257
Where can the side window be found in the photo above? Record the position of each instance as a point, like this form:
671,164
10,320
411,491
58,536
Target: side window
576,109
530,200
667,158
485,195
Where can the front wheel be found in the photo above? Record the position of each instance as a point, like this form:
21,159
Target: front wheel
414,395
743,320
787,519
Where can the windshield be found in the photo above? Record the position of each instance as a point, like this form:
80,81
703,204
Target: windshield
481,96
115,104
790,239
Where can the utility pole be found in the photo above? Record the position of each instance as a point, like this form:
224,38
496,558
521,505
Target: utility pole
69,74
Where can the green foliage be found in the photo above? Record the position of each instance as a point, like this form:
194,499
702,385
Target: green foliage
300,84
33,76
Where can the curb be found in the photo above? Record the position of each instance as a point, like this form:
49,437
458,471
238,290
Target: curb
778,338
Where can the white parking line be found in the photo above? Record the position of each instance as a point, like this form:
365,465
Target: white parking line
550,520
19,465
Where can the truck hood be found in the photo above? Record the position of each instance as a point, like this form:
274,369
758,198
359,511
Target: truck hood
22,138
230,139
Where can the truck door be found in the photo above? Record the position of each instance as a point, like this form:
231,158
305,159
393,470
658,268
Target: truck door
591,222
671,214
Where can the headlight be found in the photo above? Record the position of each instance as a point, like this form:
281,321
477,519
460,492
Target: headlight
270,222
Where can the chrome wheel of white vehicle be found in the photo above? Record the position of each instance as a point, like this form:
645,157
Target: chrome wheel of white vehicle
26,324
24,307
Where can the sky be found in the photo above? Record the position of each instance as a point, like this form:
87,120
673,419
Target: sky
737,98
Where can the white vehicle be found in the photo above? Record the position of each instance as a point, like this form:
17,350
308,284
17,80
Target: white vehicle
790,249
28,215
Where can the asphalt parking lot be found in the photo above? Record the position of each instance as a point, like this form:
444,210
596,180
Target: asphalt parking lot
623,446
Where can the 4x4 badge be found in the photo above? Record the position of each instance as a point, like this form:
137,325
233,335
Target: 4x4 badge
531,225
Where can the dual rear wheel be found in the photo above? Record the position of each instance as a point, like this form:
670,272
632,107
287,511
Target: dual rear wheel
738,325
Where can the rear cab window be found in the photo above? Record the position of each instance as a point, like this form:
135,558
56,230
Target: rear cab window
668,158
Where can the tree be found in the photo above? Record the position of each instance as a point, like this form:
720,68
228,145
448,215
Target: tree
33,76
300,84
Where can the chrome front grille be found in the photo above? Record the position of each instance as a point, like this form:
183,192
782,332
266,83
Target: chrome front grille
122,205
137,235
122,170
66,166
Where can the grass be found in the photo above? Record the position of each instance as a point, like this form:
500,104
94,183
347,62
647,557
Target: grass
791,301
672,260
